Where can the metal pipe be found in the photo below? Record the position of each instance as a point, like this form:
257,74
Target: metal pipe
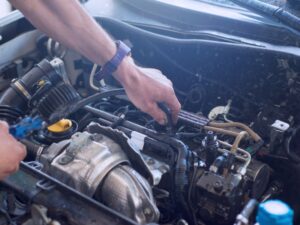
237,141
242,126
182,151
222,131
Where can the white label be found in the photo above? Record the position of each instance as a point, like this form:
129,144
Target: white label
138,139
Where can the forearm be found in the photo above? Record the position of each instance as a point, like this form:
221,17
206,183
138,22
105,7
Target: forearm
68,23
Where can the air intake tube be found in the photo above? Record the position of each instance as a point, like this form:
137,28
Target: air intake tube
15,100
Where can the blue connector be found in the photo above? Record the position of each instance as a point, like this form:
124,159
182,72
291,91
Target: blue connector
25,127
274,212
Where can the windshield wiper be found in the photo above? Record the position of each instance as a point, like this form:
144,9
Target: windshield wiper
282,15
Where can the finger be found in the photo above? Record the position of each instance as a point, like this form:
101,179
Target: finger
4,126
157,114
20,151
3,175
10,169
174,105
169,82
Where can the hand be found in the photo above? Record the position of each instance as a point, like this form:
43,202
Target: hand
11,152
146,87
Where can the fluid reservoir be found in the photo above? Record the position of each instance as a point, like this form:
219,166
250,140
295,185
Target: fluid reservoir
274,212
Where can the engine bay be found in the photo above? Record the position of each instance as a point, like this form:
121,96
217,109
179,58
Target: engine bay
237,136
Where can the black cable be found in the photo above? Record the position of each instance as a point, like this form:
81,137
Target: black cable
274,11
181,135
97,96
71,108
121,119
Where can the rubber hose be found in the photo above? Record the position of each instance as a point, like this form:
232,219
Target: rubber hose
14,96
274,11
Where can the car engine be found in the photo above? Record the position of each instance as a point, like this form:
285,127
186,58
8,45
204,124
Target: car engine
100,160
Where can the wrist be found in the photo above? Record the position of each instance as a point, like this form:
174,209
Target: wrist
127,72
112,65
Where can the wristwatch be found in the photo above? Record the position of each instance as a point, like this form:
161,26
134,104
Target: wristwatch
112,65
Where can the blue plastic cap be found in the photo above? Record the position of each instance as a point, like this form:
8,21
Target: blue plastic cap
274,212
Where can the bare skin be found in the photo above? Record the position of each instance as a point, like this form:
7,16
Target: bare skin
11,151
68,23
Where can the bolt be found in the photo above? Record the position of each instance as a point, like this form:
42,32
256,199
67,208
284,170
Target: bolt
218,186
151,161
65,160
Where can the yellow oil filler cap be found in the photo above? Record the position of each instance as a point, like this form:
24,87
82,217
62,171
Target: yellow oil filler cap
60,126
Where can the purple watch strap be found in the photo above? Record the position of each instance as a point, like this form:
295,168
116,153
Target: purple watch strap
111,66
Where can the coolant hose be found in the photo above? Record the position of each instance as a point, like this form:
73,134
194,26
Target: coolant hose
181,178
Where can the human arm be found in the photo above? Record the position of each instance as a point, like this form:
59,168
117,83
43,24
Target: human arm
11,152
68,23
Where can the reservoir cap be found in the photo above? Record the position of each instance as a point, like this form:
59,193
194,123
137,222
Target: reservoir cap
274,212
